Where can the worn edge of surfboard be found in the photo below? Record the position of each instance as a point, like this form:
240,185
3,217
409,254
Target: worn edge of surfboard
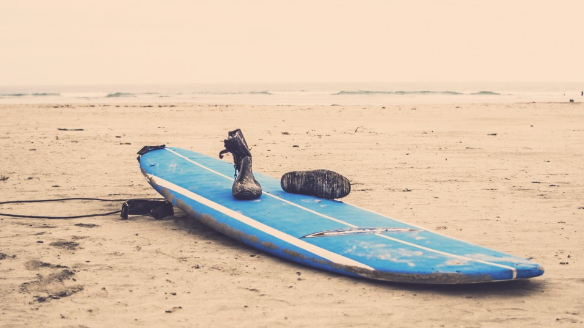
332,261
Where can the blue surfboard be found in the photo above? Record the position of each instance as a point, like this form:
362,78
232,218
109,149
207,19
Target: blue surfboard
325,234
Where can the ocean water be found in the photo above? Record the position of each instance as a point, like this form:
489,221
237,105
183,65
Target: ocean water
297,93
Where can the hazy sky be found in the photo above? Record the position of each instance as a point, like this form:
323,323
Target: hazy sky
191,41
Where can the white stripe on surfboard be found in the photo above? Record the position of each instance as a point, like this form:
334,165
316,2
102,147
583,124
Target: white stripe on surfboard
512,269
333,257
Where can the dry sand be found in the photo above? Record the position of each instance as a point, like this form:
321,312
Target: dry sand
505,176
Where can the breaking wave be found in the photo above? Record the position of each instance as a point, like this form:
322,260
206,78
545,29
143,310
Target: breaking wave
43,94
236,93
120,94
487,93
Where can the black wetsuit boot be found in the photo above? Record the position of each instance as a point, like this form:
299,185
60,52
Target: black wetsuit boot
320,183
245,185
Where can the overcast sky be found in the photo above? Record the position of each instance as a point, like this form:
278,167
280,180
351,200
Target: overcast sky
192,41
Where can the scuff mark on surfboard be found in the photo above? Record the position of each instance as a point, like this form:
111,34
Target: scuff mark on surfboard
172,167
454,262
166,194
294,253
269,245
382,252
432,278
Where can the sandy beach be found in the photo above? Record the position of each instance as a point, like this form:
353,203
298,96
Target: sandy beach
504,176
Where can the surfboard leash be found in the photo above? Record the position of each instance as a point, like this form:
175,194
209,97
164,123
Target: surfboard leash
157,208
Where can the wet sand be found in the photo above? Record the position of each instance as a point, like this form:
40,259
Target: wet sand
505,176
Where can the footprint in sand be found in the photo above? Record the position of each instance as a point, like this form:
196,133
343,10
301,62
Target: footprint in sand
51,286
70,245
